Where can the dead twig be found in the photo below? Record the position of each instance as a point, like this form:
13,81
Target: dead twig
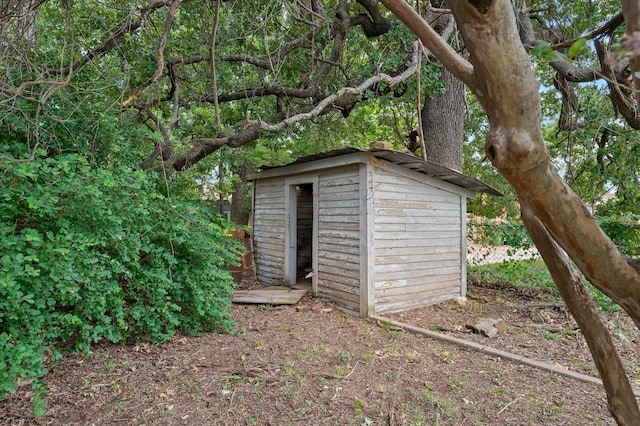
506,406
558,305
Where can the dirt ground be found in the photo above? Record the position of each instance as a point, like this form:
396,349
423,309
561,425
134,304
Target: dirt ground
312,364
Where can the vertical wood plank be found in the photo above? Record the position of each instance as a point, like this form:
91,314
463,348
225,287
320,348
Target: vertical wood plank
463,246
367,255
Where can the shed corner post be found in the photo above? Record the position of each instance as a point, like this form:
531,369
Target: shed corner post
367,240
315,244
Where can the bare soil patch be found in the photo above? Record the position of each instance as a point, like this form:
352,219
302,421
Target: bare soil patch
313,364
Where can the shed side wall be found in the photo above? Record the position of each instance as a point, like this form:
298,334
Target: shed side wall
269,230
417,246
339,236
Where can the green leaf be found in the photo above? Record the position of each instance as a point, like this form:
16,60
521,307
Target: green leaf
577,47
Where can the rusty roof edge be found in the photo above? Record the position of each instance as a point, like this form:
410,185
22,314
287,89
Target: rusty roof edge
403,159
436,170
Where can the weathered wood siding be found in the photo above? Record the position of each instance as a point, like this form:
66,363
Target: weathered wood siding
269,230
339,236
417,242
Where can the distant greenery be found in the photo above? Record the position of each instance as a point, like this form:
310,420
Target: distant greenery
88,254
622,228
489,232
530,274
526,274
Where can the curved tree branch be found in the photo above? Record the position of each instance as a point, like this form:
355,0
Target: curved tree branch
373,24
631,11
331,101
620,94
160,52
455,63
111,42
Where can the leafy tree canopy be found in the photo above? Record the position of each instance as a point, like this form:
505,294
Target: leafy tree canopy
163,85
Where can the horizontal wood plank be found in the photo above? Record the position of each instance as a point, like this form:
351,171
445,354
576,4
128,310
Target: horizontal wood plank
417,280
400,306
266,296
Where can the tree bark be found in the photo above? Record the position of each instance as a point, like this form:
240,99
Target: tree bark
240,209
443,123
622,401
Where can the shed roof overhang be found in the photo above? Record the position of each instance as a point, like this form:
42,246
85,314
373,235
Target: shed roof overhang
406,160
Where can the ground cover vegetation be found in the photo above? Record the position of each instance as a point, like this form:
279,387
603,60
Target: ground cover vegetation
115,113
291,364
89,255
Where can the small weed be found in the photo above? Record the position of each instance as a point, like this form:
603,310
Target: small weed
547,335
344,356
367,357
288,369
358,406
459,383
427,394
380,388
369,334
235,379
259,344
551,409
396,334
415,416
411,356
445,355
340,371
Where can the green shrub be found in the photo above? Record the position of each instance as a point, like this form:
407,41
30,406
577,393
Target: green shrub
624,230
90,254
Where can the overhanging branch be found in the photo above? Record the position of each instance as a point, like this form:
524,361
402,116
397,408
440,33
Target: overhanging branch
320,108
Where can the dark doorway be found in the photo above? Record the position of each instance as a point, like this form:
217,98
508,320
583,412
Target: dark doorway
304,231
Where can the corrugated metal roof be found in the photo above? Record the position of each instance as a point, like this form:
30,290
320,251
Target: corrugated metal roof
410,162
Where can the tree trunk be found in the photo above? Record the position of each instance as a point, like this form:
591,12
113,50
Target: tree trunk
508,91
240,208
622,401
501,77
443,123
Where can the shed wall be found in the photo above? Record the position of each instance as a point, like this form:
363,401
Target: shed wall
269,230
397,234
339,236
417,242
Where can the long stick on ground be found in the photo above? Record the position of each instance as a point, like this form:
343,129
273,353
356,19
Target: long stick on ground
491,351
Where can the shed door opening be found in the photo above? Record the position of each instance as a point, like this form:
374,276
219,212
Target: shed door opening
301,233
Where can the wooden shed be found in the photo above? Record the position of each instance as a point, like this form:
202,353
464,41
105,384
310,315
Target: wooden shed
380,231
